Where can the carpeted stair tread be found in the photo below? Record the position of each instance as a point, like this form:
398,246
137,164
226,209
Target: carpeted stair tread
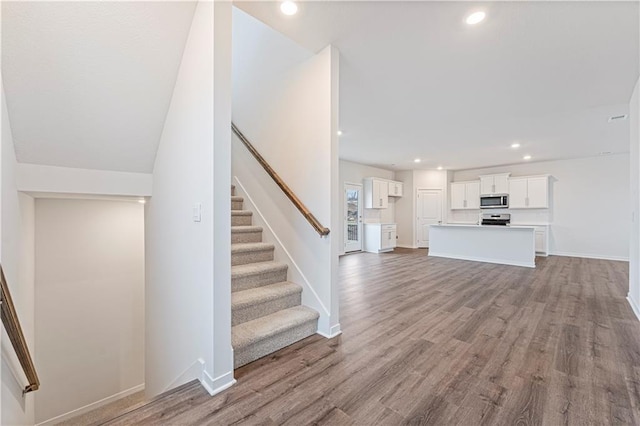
237,198
263,328
249,247
245,298
240,229
240,271
257,274
241,213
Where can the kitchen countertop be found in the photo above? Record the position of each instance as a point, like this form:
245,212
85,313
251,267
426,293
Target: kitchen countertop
475,225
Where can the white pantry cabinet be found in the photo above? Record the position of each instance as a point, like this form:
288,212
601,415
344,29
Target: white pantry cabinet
494,184
376,193
531,192
379,237
465,195
396,189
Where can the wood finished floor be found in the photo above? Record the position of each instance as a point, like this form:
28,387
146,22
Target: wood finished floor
444,342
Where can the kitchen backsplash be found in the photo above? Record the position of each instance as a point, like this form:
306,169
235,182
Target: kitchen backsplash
526,217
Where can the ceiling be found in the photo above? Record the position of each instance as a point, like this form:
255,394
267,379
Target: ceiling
417,82
88,84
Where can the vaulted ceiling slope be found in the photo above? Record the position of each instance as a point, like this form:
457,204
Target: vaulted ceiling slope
88,84
416,81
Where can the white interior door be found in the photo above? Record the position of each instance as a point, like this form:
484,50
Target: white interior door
352,217
429,212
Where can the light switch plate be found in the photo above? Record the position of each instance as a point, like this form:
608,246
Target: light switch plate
197,212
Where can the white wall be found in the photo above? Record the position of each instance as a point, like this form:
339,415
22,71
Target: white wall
285,101
16,256
354,173
89,300
188,319
583,192
634,153
405,210
406,206
64,180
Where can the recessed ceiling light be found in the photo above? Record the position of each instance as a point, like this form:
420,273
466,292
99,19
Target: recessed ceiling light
288,8
339,132
439,167
417,160
475,18
617,117
515,145
526,157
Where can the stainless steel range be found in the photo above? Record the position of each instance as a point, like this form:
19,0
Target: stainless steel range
496,219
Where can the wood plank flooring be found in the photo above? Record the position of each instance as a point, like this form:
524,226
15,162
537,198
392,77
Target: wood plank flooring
444,342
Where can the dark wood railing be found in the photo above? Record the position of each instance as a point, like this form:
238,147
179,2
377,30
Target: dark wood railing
12,325
315,223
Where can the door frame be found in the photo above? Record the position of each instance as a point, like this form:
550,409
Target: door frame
360,216
442,211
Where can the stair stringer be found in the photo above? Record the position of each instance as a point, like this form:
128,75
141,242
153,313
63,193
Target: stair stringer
294,274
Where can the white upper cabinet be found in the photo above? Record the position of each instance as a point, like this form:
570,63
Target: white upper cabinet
538,192
376,193
458,196
465,195
494,184
395,189
529,192
518,193
473,195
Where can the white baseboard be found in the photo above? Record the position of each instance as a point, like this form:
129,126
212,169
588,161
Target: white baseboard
589,256
217,385
92,406
406,246
334,331
634,307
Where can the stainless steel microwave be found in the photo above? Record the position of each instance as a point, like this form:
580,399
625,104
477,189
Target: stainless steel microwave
500,201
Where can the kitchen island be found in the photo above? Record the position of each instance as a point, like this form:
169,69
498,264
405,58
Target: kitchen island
507,245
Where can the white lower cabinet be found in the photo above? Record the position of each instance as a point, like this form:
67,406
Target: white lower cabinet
542,240
379,237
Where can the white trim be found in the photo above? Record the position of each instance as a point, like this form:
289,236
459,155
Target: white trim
325,315
634,307
217,385
406,246
335,331
92,406
589,256
480,259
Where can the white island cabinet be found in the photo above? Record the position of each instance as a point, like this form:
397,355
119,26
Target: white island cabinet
379,237
507,245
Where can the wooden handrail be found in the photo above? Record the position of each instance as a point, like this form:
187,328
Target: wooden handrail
278,180
12,325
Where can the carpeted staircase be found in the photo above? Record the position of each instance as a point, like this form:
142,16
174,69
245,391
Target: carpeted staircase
266,314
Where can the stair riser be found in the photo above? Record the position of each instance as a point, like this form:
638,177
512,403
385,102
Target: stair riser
236,205
265,347
233,190
251,257
240,220
246,237
248,313
258,280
